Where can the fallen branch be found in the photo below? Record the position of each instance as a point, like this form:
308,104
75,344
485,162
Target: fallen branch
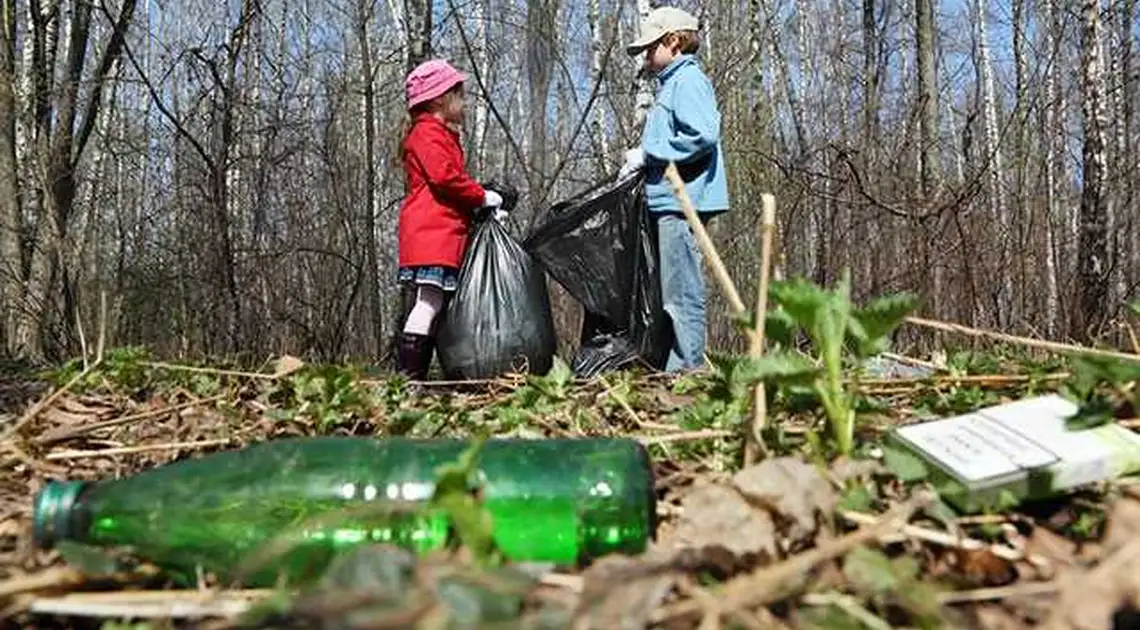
150,604
938,538
686,436
52,578
849,605
971,379
1053,346
208,370
45,403
133,450
999,592
67,433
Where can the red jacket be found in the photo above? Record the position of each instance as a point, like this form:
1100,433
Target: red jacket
436,214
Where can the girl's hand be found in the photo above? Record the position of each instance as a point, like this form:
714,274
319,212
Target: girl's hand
492,199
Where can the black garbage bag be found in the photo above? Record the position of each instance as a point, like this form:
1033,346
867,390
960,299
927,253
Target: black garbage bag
601,246
499,319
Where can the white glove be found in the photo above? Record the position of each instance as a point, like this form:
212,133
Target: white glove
492,199
634,160
500,215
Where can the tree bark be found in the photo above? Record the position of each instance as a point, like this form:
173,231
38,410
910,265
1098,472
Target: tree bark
930,171
1091,308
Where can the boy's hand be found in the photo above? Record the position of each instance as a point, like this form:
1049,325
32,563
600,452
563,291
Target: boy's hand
634,160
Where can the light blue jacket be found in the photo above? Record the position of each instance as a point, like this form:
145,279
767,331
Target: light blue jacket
684,127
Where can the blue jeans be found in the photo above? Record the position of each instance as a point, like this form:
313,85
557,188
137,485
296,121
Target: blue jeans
682,290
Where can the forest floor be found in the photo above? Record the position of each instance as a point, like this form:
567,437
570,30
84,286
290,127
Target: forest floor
805,538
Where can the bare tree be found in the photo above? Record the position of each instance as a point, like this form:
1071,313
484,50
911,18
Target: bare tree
1091,306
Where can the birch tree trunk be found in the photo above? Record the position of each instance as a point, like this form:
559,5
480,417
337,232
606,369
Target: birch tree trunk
1053,113
364,16
645,82
418,14
929,167
1091,308
993,166
11,218
597,52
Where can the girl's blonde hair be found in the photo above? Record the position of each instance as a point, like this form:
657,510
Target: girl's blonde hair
410,115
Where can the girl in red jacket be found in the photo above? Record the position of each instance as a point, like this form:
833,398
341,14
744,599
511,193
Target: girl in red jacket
436,214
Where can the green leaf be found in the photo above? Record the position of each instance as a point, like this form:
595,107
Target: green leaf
454,496
827,618
904,465
939,511
741,373
874,323
857,498
870,571
1134,306
560,374
1095,413
779,327
801,299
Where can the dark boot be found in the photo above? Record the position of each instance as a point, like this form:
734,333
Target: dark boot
415,355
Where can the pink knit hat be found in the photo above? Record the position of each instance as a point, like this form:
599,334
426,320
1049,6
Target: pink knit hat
429,80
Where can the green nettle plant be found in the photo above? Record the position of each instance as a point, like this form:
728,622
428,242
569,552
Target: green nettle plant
839,335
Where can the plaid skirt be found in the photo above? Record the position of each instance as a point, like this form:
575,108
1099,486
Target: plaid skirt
446,278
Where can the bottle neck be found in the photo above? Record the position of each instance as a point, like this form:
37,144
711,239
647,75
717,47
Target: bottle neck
53,515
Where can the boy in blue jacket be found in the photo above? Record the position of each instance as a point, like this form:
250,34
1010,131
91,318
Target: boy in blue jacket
682,127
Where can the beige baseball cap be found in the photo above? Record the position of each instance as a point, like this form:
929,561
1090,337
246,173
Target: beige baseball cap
660,22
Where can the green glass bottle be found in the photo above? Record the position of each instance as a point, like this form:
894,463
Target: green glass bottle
560,500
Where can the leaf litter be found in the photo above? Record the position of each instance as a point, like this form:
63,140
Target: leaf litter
788,542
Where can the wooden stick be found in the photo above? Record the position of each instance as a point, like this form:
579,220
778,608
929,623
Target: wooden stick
132,450
171,608
911,361
999,592
70,432
755,448
969,379
938,538
849,605
1053,346
55,577
685,436
207,370
703,240
46,402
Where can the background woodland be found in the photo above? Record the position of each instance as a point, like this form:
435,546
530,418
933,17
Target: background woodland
218,178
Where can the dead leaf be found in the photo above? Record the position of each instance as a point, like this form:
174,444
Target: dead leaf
994,617
286,365
1088,600
793,490
622,592
1056,550
1123,524
86,405
716,516
981,568
845,468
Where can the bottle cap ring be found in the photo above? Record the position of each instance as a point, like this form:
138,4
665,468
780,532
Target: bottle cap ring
51,516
